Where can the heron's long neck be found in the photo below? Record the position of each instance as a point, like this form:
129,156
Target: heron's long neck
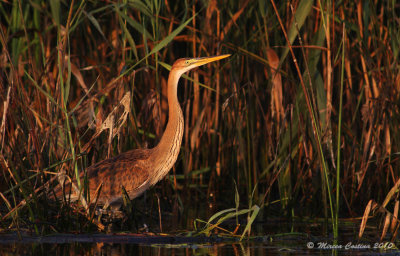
167,150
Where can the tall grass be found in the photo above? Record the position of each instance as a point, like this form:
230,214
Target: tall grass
304,117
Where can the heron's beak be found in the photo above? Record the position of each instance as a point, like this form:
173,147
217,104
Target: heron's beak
201,61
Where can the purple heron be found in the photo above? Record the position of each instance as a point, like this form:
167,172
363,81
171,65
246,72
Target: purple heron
138,169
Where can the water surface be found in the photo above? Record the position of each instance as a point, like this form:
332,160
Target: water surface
274,238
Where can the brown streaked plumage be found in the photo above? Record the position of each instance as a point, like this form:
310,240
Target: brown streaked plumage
136,170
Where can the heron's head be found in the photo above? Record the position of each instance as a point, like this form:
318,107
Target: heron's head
183,65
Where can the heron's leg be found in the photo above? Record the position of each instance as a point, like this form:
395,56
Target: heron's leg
101,211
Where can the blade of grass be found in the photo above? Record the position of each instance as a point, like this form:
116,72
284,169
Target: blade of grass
339,141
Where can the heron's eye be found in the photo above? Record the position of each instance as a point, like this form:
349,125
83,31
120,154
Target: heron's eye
187,62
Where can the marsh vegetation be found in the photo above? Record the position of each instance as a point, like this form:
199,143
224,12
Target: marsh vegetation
301,121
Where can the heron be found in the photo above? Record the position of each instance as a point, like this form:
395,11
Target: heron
137,170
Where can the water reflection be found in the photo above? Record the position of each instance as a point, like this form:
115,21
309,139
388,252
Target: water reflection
246,248
303,239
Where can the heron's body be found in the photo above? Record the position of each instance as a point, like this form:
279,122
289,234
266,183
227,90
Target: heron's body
136,170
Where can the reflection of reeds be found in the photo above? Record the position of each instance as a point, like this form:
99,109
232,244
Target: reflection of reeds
65,69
